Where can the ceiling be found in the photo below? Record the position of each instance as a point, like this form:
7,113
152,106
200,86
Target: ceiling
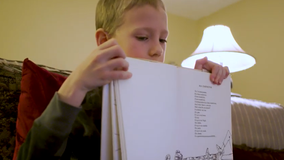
196,9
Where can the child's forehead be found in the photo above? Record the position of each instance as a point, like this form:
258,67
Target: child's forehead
146,18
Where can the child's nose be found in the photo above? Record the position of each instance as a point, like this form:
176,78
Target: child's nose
156,50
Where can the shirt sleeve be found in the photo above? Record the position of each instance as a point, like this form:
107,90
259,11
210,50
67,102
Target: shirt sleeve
48,136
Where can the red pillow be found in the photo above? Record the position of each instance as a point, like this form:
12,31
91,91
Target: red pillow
37,88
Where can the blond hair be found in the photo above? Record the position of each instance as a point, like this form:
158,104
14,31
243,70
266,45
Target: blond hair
109,13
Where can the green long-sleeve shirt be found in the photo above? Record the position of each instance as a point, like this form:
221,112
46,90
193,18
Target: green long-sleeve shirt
65,132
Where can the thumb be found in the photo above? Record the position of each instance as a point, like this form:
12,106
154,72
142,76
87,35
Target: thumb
199,63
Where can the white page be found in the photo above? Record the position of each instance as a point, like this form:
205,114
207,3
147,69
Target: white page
204,119
157,122
114,122
106,129
155,139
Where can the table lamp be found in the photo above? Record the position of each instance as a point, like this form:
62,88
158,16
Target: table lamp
219,46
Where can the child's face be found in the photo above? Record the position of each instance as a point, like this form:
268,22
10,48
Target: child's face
143,33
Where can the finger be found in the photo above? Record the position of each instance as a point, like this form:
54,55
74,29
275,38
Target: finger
227,72
117,64
200,63
209,66
117,75
219,78
107,44
214,73
112,65
111,53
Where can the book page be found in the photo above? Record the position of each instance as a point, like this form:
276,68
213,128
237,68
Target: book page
116,147
166,112
110,142
147,113
106,129
204,118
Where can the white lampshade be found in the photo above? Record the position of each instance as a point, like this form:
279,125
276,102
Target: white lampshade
219,46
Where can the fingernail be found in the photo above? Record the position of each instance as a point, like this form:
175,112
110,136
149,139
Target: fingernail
216,81
130,74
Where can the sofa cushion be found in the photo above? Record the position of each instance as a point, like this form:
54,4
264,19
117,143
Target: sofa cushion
243,152
257,124
10,81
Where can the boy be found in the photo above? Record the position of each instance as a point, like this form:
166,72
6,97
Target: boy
68,128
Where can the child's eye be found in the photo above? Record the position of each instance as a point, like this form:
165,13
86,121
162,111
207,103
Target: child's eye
142,38
163,41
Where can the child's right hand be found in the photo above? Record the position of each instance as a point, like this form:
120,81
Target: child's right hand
105,64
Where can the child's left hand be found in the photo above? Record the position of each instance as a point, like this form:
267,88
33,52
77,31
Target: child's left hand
218,72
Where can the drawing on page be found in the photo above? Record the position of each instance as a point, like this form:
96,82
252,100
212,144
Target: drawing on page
219,155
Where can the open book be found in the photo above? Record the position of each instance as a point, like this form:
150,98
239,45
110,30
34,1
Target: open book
166,112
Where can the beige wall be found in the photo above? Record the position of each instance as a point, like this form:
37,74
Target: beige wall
257,26
54,33
182,38
61,33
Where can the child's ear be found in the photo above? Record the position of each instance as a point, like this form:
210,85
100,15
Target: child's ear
101,36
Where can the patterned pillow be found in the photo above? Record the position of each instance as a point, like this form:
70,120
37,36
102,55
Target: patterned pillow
10,81
10,90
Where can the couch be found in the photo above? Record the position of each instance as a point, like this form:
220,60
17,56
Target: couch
257,127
